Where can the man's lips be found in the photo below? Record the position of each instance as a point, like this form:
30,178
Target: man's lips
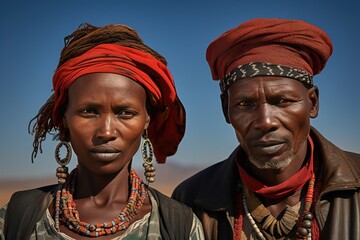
268,147
267,142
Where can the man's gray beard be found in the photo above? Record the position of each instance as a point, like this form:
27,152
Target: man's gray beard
274,165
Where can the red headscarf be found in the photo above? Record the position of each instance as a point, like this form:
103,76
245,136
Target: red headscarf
292,43
167,125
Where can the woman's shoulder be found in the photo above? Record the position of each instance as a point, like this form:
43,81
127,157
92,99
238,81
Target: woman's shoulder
171,208
27,207
24,197
2,221
166,201
177,217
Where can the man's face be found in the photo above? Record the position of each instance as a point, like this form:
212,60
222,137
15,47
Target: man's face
271,118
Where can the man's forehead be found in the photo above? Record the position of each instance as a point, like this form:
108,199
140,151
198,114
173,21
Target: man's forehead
267,81
266,86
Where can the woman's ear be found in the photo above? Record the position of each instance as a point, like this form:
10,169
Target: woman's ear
147,121
64,134
313,94
224,105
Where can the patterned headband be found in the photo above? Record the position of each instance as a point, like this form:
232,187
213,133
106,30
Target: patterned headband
254,69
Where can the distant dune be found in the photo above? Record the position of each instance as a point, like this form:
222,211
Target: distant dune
168,176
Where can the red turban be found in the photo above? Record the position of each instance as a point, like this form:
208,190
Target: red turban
167,124
293,43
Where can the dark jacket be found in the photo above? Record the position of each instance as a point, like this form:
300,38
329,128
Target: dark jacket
211,193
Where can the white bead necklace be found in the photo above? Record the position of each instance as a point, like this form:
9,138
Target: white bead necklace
252,221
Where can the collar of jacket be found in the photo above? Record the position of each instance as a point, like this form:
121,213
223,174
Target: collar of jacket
338,171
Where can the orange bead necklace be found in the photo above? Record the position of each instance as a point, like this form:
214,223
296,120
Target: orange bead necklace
66,212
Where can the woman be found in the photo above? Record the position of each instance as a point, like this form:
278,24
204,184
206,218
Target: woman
110,89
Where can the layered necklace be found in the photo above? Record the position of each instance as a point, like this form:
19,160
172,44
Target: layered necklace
66,212
265,225
270,226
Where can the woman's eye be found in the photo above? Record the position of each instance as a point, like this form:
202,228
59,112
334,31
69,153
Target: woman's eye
88,112
126,114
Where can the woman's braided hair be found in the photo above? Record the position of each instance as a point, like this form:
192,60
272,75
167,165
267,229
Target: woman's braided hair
81,40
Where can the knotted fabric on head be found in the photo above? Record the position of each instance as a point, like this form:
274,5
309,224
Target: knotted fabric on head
296,44
167,124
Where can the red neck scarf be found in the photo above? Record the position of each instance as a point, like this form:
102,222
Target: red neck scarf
285,188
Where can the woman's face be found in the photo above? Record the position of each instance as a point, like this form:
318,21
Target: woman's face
106,116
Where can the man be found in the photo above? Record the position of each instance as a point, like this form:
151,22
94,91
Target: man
284,180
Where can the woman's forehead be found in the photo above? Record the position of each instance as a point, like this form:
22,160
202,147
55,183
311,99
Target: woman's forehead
105,84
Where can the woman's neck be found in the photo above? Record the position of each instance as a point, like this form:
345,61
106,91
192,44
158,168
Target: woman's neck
103,188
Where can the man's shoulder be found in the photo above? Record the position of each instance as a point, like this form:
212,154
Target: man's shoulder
353,156
354,160
336,161
186,190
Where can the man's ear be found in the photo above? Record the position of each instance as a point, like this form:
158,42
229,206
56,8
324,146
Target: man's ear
224,105
314,98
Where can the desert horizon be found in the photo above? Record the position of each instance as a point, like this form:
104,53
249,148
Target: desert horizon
168,176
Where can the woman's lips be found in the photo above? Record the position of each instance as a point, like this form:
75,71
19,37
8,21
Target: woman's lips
105,156
105,153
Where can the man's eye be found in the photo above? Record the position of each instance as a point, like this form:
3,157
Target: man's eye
246,103
284,101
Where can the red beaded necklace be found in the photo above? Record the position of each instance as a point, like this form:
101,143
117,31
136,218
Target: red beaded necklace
305,224
305,221
65,209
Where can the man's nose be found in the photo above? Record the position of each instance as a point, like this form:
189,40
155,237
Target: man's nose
265,118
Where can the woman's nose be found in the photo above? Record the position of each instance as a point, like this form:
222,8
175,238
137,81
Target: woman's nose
106,129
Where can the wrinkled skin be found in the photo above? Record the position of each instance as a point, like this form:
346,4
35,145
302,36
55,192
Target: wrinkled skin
271,119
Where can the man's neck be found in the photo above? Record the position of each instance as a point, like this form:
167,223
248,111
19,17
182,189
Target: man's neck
272,177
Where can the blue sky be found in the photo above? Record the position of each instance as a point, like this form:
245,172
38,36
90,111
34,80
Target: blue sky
32,35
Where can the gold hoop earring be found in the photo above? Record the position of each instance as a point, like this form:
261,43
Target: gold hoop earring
62,171
147,155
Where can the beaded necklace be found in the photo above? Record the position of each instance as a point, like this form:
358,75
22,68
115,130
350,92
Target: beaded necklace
66,212
304,221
